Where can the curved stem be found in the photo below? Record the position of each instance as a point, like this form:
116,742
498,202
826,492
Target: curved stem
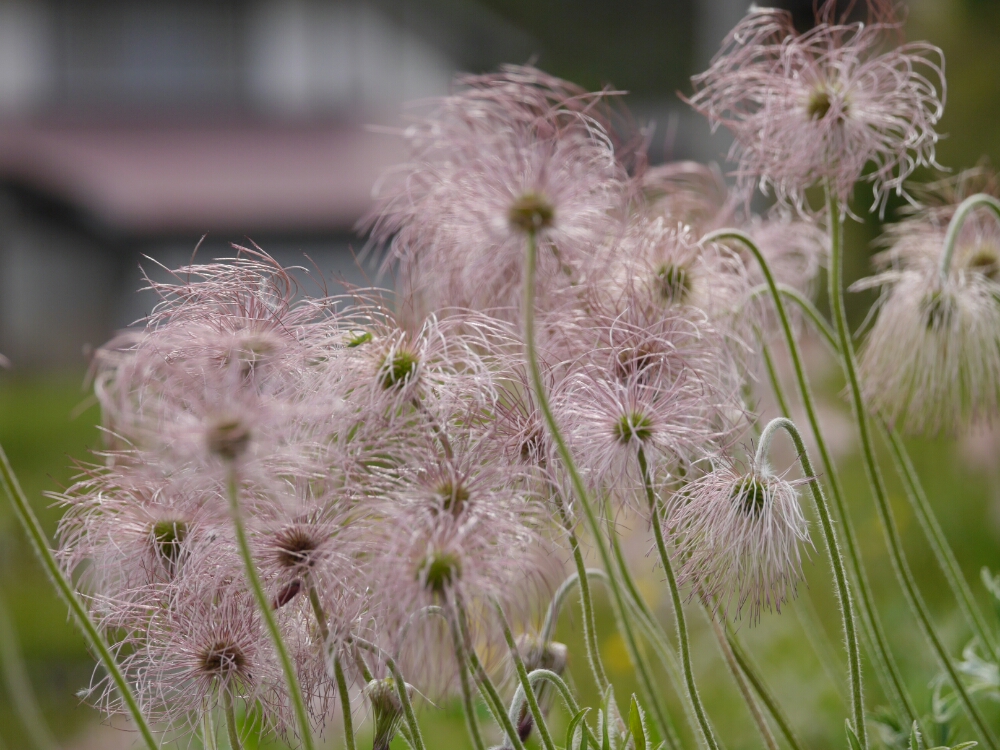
208,738
266,613
463,662
938,541
891,532
659,640
886,670
586,601
895,687
579,488
94,638
675,595
522,676
234,734
966,207
338,669
486,684
416,737
741,683
567,695
766,696
836,562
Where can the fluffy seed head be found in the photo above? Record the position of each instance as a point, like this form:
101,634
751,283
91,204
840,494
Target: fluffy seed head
820,106
932,358
739,538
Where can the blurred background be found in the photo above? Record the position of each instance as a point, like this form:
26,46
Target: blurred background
130,132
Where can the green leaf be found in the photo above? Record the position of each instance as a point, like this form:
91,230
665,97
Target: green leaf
605,738
916,741
636,724
965,745
571,730
852,738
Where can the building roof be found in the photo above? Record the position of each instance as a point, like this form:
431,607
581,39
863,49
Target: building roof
146,179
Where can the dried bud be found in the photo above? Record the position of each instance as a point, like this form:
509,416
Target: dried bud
288,592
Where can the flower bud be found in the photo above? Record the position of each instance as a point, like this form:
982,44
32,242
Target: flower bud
387,711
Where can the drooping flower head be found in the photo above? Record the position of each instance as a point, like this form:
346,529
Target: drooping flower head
819,107
932,358
740,537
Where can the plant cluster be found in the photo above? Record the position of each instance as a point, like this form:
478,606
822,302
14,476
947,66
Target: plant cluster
303,496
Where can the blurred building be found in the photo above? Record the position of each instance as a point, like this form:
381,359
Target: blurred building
133,129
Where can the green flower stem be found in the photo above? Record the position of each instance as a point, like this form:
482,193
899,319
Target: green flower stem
234,733
416,738
658,638
772,374
966,207
617,598
493,699
675,595
586,600
889,529
208,738
567,695
881,654
939,542
649,625
463,662
741,683
766,696
836,562
812,624
93,637
264,606
338,669
522,676
875,641
22,695
918,498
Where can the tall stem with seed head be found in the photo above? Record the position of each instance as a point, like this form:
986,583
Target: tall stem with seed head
872,471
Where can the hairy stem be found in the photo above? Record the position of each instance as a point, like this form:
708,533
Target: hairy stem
966,207
889,529
486,684
766,696
338,669
586,600
657,637
464,664
416,738
939,542
234,732
675,595
590,515
881,654
741,683
94,638
264,606
836,562
522,676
